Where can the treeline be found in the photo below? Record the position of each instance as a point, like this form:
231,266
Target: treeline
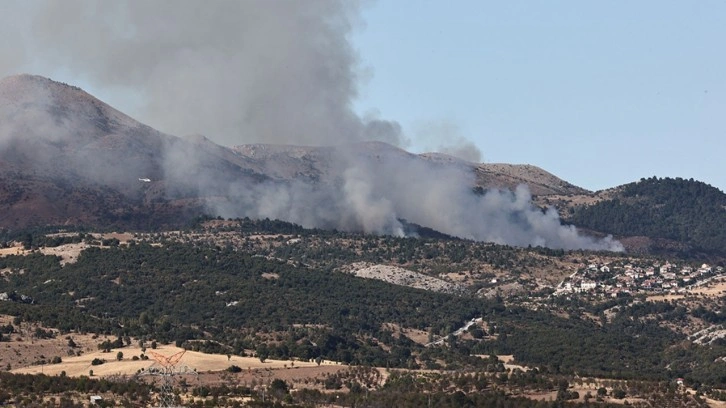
687,211
181,292
622,349
401,390
35,390
630,345
221,300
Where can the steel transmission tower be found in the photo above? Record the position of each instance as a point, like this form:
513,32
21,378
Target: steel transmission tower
167,370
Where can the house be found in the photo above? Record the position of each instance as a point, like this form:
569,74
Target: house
588,285
705,269
95,399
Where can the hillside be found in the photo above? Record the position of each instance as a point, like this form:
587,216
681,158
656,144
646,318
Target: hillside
539,181
259,289
688,212
68,158
319,164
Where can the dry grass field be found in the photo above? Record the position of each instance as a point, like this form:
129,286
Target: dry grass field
24,353
201,362
714,289
15,250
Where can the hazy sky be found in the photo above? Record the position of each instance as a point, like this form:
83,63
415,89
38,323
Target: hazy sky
598,93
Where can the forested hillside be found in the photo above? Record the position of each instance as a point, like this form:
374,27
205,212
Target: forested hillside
241,287
273,290
688,211
179,292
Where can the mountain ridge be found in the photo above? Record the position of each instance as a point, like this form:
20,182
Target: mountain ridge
55,136
67,157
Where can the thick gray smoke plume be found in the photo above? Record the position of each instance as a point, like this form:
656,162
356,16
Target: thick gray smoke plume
246,71
282,71
373,187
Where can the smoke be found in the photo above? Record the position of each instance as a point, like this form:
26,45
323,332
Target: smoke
446,137
377,187
237,71
279,72
58,130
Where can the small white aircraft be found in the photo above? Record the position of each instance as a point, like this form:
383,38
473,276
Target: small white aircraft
145,180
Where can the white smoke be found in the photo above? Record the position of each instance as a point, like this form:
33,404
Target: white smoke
279,72
238,71
373,192
446,137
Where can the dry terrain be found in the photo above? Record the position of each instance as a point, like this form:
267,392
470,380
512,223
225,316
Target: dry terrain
415,335
68,253
26,354
201,362
402,277
710,290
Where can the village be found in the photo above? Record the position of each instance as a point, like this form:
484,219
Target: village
627,279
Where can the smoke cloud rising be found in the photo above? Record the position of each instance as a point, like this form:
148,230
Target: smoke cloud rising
445,137
236,71
378,191
280,72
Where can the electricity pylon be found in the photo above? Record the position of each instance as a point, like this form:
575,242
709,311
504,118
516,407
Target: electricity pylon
166,368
